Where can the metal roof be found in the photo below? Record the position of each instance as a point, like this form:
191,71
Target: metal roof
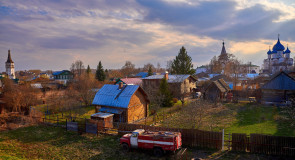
281,81
101,115
111,95
59,72
221,85
131,81
142,74
171,78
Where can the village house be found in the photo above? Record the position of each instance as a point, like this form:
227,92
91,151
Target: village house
63,76
216,90
278,89
178,84
129,81
128,103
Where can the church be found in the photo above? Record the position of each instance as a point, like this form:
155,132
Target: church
9,65
278,59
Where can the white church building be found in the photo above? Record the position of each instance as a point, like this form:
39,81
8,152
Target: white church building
278,59
9,65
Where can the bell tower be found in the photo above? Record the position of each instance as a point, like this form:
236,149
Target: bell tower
9,65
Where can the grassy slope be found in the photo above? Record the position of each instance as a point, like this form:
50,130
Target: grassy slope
45,142
41,142
238,118
260,119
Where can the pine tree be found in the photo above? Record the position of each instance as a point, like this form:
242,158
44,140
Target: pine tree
165,93
150,72
88,71
182,64
100,75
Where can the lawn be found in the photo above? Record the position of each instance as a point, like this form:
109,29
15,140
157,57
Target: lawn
46,142
236,118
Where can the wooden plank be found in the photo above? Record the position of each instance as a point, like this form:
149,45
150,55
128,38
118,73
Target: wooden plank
72,126
91,128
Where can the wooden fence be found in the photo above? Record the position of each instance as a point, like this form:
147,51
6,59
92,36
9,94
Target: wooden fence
190,137
263,144
274,145
255,143
239,142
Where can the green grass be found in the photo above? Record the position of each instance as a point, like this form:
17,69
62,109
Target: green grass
238,118
45,142
260,119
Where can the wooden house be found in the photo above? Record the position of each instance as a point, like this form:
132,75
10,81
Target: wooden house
63,76
216,90
278,89
178,84
129,81
128,103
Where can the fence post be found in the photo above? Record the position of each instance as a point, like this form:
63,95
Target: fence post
222,140
57,119
85,125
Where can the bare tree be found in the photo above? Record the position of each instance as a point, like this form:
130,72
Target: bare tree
77,67
169,66
147,66
289,111
196,112
128,68
82,89
19,98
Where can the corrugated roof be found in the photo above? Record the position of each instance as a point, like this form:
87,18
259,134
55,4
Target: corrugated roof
224,84
281,81
221,85
171,78
59,72
102,115
111,95
132,81
142,74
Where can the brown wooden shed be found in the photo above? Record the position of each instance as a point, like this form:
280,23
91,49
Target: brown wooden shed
216,90
128,103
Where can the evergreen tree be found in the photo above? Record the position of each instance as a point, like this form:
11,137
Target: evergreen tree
88,71
150,72
165,93
182,64
100,75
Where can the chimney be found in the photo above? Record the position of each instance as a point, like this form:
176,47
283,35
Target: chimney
166,75
120,85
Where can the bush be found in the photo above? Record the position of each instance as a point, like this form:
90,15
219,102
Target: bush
175,100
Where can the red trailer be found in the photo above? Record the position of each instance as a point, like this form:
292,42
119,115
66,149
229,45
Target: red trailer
160,142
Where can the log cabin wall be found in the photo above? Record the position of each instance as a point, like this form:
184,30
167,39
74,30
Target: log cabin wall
138,107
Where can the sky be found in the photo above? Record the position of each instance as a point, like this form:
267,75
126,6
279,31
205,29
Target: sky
52,34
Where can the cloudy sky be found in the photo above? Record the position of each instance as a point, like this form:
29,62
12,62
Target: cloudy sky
51,34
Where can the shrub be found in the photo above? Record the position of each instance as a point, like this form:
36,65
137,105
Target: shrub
175,100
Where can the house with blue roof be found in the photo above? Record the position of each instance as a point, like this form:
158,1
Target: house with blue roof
63,76
142,74
278,89
128,103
